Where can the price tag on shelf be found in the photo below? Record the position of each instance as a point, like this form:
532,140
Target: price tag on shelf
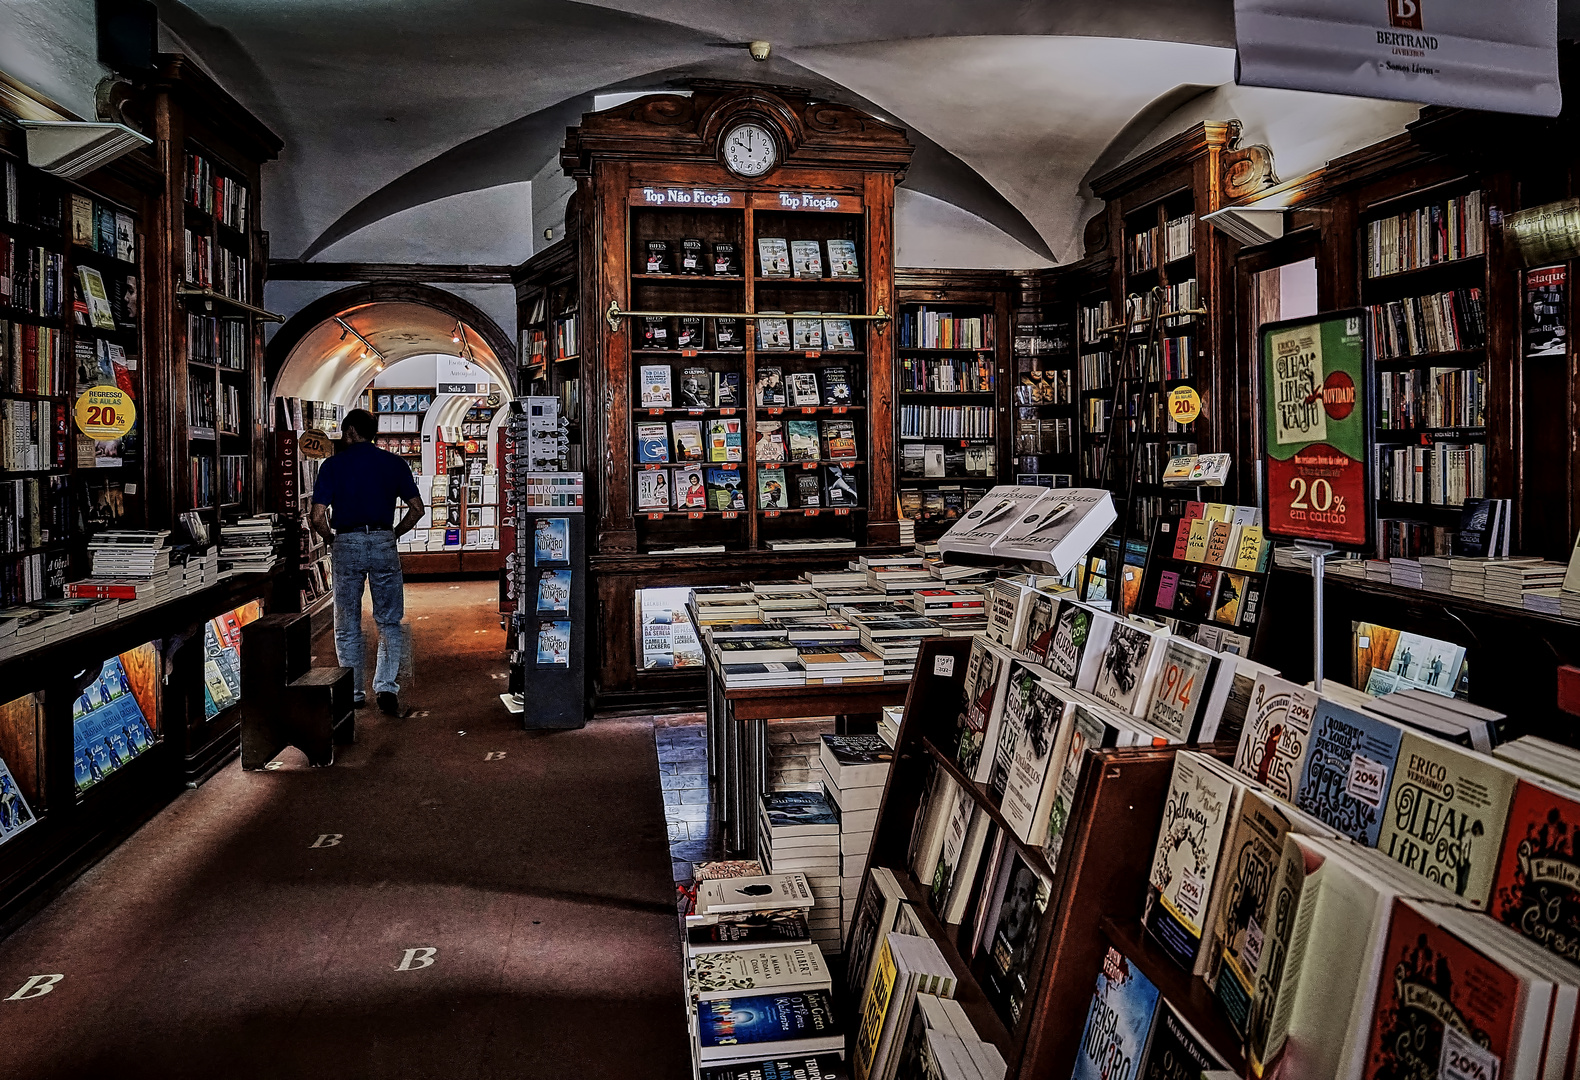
770,513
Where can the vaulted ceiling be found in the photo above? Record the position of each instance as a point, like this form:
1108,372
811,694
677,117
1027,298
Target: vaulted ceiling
399,115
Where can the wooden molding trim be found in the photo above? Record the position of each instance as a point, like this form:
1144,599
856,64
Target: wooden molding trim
415,273
20,101
179,75
1246,170
1188,145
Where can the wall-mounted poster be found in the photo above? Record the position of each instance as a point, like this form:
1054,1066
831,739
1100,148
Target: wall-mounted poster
1545,332
110,724
1316,415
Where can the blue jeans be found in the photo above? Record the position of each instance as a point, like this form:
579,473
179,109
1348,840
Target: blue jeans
372,556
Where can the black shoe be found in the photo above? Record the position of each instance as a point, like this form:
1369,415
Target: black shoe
359,703
389,704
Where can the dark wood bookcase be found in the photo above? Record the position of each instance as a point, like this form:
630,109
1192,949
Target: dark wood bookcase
653,170
1097,888
548,312
983,381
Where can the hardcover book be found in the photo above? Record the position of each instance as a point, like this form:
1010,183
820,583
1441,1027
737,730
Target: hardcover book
655,387
802,437
1128,666
1277,734
1067,647
839,439
652,442
763,892
1445,815
803,388
724,440
806,258
688,490
774,970
771,492
696,387
802,1022
1347,772
806,333
836,386
1196,815
554,592
768,927
839,486
724,490
727,334
773,256
691,256
1533,892
842,259
1043,726
688,440
770,386
1119,1022
1182,684
838,336
770,441
652,489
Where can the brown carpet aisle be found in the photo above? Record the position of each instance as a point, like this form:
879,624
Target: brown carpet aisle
218,941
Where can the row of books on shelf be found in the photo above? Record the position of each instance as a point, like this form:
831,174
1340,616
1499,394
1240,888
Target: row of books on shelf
221,341
28,197
1174,358
214,193
1050,386
946,375
33,435
1176,463
1440,474
299,414
802,440
1095,319
1035,435
921,460
720,440
567,337
104,304
946,421
397,423
408,401
32,279
33,511
404,445
1442,232
30,359
1180,298
1097,370
1440,397
210,265
1173,240
100,227
218,411
776,257
942,503
699,488
922,328
701,387
1451,321
221,485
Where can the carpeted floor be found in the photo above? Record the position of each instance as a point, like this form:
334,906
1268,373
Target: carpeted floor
220,941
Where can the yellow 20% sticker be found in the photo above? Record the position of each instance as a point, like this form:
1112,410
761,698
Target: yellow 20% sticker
1184,404
105,412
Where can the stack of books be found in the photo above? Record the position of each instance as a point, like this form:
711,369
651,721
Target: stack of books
129,553
798,832
1408,573
905,966
251,545
839,664
1506,581
853,770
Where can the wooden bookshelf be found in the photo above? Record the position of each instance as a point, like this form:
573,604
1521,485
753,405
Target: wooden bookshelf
1096,891
981,380
653,170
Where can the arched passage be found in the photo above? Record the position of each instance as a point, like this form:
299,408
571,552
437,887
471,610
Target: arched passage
314,356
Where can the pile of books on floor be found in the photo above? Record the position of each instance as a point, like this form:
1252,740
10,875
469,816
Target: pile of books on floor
798,832
250,545
758,987
853,770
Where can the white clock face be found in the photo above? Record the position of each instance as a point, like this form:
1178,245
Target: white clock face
749,150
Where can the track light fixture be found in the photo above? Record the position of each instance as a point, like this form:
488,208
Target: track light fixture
367,346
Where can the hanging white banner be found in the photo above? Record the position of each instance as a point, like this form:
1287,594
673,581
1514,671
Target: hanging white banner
1498,55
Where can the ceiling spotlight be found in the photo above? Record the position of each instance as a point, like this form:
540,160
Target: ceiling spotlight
759,50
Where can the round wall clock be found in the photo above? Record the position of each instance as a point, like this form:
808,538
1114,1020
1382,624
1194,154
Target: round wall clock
749,150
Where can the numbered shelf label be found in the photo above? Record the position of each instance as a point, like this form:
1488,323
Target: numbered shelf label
771,513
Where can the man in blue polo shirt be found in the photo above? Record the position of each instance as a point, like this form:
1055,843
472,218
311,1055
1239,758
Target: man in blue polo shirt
362,484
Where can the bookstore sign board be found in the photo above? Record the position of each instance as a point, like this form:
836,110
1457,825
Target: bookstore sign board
1316,422
1465,53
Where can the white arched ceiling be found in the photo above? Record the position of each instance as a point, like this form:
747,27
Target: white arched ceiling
326,366
393,112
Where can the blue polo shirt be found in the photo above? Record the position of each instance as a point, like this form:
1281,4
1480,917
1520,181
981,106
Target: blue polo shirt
361,485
